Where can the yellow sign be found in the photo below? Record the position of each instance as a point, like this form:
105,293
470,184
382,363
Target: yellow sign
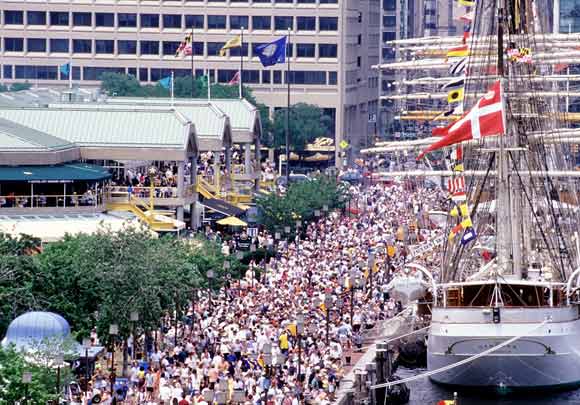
343,144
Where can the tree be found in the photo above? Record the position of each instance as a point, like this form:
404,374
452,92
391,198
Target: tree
20,86
307,122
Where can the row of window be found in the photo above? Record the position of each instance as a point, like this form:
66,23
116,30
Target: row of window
132,20
32,72
166,48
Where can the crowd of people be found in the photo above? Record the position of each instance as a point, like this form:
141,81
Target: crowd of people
287,332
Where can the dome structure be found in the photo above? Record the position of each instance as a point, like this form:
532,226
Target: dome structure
33,327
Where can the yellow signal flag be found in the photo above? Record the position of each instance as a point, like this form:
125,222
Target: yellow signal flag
467,3
464,210
466,223
455,95
459,168
322,307
235,42
292,329
454,212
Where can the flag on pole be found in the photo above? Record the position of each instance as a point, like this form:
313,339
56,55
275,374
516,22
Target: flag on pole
467,3
455,95
183,45
486,118
165,82
468,17
462,50
235,42
273,52
468,236
459,82
235,79
65,69
458,67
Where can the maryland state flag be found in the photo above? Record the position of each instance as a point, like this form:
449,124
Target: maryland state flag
184,45
455,95
458,51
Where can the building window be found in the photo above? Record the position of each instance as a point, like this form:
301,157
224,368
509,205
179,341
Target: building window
225,75
36,17
156,75
243,50
170,47
277,76
216,22
283,22
389,36
149,20
305,50
13,17
251,76
82,20
36,72
327,50
328,23
328,1
261,22
59,18
127,20
198,48
104,46
7,69
59,45
132,72
36,45
389,5
261,1
213,48
332,78
143,74
194,21
358,61
306,77
283,1
266,77
127,47
82,46
239,21
149,47
306,23
171,21
104,19
306,1
13,44
238,1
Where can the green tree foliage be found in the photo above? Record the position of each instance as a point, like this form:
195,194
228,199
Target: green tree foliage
43,384
122,85
301,202
20,86
307,122
97,280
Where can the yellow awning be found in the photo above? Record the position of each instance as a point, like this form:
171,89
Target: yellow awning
232,221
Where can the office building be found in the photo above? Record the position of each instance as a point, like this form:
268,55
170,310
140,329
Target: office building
333,45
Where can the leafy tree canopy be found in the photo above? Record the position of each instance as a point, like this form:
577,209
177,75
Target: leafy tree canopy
307,122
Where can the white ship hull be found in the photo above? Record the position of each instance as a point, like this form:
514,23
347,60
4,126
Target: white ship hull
546,358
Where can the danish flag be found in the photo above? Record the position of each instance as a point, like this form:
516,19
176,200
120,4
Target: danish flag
486,118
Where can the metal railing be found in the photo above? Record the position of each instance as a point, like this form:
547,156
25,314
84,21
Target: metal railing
52,200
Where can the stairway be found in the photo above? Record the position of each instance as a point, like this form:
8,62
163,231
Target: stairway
143,211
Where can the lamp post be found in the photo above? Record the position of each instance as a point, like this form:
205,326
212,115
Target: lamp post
298,226
86,345
113,331
268,360
134,317
58,360
371,265
26,380
299,332
353,284
152,171
327,304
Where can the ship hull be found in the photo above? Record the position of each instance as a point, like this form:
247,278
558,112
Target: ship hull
546,358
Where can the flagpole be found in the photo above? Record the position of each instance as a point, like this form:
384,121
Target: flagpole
192,67
288,55
70,73
240,84
172,89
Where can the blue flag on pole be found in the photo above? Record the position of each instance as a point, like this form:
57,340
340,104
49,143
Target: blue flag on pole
65,69
273,52
165,82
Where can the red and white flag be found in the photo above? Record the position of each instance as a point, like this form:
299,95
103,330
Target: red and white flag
486,118
456,185
235,79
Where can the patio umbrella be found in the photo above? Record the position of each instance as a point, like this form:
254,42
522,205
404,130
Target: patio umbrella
232,221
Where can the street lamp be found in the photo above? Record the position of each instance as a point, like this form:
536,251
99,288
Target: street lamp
86,345
58,360
134,317
353,284
113,331
371,265
26,380
152,171
210,276
299,332
327,304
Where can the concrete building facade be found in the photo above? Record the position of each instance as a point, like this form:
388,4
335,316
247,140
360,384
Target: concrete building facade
334,43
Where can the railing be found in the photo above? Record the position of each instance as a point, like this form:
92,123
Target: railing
144,192
52,201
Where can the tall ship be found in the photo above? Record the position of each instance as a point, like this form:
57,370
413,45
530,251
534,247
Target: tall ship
505,300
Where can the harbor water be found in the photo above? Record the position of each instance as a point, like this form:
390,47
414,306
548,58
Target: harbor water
424,392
